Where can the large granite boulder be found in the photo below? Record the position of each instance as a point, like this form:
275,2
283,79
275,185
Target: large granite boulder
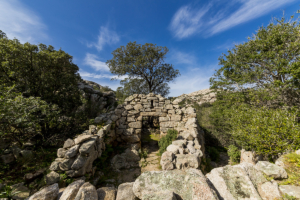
87,192
271,170
162,195
71,191
48,193
232,182
125,192
290,190
188,184
107,193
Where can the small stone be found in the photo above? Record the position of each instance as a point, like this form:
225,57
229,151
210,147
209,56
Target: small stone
107,193
79,162
87,192
8,158
68,143
82,138
52,178
173,148
61,152
125,192
92,129
72,151
135,124
87,146
71,191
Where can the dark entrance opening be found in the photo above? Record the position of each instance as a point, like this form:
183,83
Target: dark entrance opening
150,133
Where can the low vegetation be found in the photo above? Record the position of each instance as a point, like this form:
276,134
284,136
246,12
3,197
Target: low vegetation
292,167
165,141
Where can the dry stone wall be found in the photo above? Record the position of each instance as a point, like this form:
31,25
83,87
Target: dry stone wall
123,126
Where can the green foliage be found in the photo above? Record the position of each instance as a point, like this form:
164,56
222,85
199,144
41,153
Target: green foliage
140,86
234,154
165,141
39,92
105,89
8,193
144,65
21,118
266,131
292,167
144,153
213,154
288,197
182,103
268,63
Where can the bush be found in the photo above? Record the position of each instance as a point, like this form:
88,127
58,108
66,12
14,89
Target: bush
167,140
213,153
234,154
266,131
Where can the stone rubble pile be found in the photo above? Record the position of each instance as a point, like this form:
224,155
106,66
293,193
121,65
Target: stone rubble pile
12,152
76,157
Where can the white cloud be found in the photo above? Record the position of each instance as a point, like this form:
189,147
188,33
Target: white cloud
100,76
188,21
249,10
94,62
105,36
20,22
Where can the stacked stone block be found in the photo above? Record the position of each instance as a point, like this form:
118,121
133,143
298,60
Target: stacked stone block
77,156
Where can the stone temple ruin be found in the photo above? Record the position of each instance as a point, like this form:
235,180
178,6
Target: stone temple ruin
124,126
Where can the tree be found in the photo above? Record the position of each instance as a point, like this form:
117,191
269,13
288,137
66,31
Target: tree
143,64
40,71
39,91
268,61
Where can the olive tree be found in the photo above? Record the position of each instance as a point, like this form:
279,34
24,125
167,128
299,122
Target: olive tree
143,64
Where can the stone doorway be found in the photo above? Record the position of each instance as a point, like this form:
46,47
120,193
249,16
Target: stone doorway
149,143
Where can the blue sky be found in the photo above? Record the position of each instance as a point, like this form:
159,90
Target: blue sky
195,32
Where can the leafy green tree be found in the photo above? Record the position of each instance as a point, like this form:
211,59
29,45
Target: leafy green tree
20,117
143,64
268,63
39,91
40,71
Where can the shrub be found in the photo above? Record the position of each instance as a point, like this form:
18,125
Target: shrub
266,131
167,140
213,153
234,153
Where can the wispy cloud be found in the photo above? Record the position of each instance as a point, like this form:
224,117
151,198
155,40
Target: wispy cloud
106,36
180,57
20,22
93,61
211,19
100,76
187,21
